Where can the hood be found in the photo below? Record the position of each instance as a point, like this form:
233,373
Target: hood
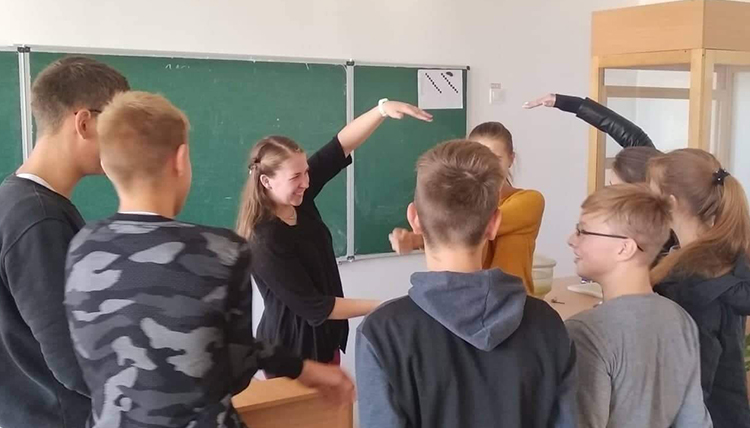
483,308
732,289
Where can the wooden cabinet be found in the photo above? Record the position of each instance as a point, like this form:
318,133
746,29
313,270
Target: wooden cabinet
687,66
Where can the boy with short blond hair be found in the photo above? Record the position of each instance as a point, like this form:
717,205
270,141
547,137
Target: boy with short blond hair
159,309
638,352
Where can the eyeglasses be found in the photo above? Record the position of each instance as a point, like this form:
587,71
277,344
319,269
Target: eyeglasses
580,232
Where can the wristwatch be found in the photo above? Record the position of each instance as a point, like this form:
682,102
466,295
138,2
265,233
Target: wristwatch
381,108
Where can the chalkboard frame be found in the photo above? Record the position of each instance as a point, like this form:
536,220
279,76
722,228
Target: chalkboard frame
14,142
350,65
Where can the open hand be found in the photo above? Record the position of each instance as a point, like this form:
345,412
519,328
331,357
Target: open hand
331,381
397,110
547,101
401,241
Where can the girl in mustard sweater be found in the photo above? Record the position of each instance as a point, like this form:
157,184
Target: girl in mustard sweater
512,251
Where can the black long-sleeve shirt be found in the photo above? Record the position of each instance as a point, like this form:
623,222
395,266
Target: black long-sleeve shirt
41,384
296,271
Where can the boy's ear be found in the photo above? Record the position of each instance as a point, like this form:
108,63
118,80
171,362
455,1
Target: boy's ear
493,226
182,160
413,217
628,250
85,125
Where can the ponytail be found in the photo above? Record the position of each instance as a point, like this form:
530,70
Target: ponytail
703,188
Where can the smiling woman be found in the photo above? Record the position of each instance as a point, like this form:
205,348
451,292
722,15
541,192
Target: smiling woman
294,264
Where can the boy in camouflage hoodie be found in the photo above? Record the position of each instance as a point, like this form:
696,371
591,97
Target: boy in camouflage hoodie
160,310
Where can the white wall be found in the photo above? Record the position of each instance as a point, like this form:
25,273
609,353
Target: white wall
531,47
740,145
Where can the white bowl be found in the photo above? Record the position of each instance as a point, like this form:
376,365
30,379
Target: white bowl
542,272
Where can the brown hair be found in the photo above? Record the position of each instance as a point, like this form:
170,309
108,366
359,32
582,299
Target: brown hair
696,179
71,83
138,131
458,188
631,163
633,210
265,159
498,132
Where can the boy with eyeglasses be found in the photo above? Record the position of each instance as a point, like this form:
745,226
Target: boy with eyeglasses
638,353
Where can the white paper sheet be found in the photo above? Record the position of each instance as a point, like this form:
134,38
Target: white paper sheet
440,89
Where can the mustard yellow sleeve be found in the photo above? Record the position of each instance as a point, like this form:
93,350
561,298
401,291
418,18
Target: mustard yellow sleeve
521,213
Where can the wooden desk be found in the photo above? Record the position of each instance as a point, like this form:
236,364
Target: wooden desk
283,402
568,303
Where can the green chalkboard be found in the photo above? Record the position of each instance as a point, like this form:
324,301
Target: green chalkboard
231,105
11,149
385,166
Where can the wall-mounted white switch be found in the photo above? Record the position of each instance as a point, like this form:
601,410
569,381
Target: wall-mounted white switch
496,93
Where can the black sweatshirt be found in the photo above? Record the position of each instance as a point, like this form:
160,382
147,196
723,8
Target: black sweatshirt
465,350
296,271
719,307
41,384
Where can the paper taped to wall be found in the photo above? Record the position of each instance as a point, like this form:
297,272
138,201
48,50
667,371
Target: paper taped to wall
440,89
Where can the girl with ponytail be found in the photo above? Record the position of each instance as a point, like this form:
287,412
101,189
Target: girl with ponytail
294,265
709,276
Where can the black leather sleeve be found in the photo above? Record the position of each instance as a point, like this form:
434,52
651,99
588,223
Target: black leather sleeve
623,131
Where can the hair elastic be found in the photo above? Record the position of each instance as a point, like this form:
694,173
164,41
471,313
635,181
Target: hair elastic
719,176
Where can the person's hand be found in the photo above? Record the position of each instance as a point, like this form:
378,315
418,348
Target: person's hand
401,241
397,110
331,381
547,101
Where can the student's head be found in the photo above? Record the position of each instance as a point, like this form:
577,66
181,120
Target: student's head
278,176
456,198
630,164
144,147
497,138
66,99
708,201
623,225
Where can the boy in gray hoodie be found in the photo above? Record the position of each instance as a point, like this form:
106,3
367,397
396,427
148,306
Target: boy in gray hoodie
466,347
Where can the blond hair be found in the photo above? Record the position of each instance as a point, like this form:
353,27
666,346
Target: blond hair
458,189
696,179
633,210
138,131
266,158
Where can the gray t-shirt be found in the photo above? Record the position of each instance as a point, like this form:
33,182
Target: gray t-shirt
638,365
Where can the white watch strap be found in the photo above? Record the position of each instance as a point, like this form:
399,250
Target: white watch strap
381,108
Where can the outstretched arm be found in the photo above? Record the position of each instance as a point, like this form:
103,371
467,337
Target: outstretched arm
623,131
355,133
